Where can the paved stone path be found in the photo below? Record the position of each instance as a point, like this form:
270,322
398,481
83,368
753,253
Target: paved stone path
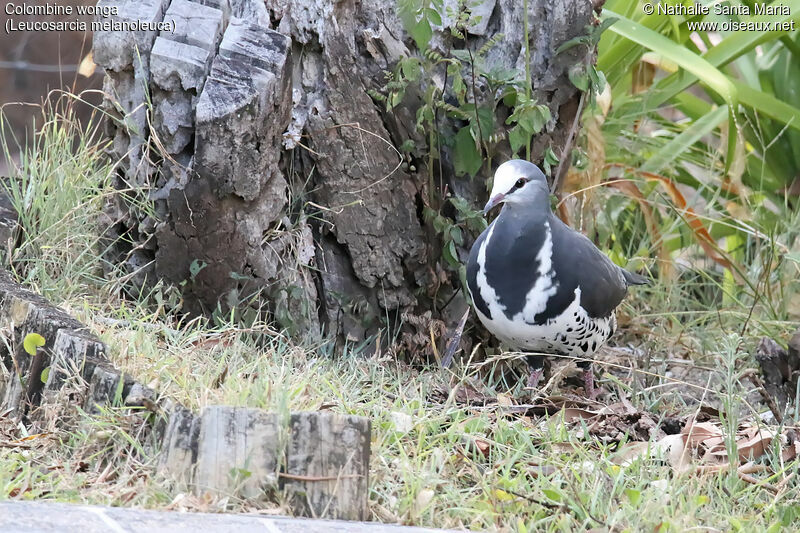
44,517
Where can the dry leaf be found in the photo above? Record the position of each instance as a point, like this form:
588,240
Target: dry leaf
483,446
504,400
87,66
476,445
541,470
574,413
755,443
564,447
751,445
423,500
401,421
791,451
629,453
695,433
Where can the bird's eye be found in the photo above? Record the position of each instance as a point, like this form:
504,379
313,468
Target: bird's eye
520,182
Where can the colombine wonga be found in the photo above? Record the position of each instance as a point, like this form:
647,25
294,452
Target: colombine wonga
538,285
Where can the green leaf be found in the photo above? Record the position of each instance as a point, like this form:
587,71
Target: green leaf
687,60
466,158
769,105
411,67
45,374
692,63
485,116
395,98
440,223
579,77
518,138
533,119
195,267
421,32
31,342
459,87
552,494
433,16
731,47
456,235
550,160
450,254
678,146
598,80
634,496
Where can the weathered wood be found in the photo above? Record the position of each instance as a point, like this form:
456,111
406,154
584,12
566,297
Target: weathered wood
179,63
75,355
23,312
106,388
327,470
237,451
179,446
321,460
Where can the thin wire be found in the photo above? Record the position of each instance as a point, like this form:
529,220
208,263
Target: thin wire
35,67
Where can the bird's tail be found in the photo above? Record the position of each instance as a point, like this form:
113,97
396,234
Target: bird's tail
635,279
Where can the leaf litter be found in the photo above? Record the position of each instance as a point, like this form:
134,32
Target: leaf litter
691,444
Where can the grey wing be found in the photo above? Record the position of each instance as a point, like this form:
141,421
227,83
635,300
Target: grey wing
578,262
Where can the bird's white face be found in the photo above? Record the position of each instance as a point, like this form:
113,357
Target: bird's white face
517,182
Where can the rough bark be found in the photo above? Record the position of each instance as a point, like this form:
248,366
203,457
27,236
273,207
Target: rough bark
272,170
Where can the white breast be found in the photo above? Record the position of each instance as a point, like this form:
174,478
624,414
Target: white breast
572,332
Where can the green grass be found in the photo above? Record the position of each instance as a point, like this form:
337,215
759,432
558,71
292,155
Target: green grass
530,474
435,461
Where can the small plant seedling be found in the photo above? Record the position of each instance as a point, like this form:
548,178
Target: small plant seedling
31,342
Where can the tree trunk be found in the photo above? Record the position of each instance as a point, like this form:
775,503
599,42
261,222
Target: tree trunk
263,160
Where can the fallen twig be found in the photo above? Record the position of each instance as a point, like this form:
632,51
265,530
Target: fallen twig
755,481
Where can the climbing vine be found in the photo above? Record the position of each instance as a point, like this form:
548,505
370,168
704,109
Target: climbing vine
464,99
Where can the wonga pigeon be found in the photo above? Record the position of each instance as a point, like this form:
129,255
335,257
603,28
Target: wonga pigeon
537,284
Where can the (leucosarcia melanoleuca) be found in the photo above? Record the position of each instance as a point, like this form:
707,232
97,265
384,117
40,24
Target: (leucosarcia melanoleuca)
537,284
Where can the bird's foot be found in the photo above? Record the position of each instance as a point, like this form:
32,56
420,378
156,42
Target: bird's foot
534,378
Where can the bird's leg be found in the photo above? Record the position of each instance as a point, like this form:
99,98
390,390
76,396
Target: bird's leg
588,380
536,366
534,378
